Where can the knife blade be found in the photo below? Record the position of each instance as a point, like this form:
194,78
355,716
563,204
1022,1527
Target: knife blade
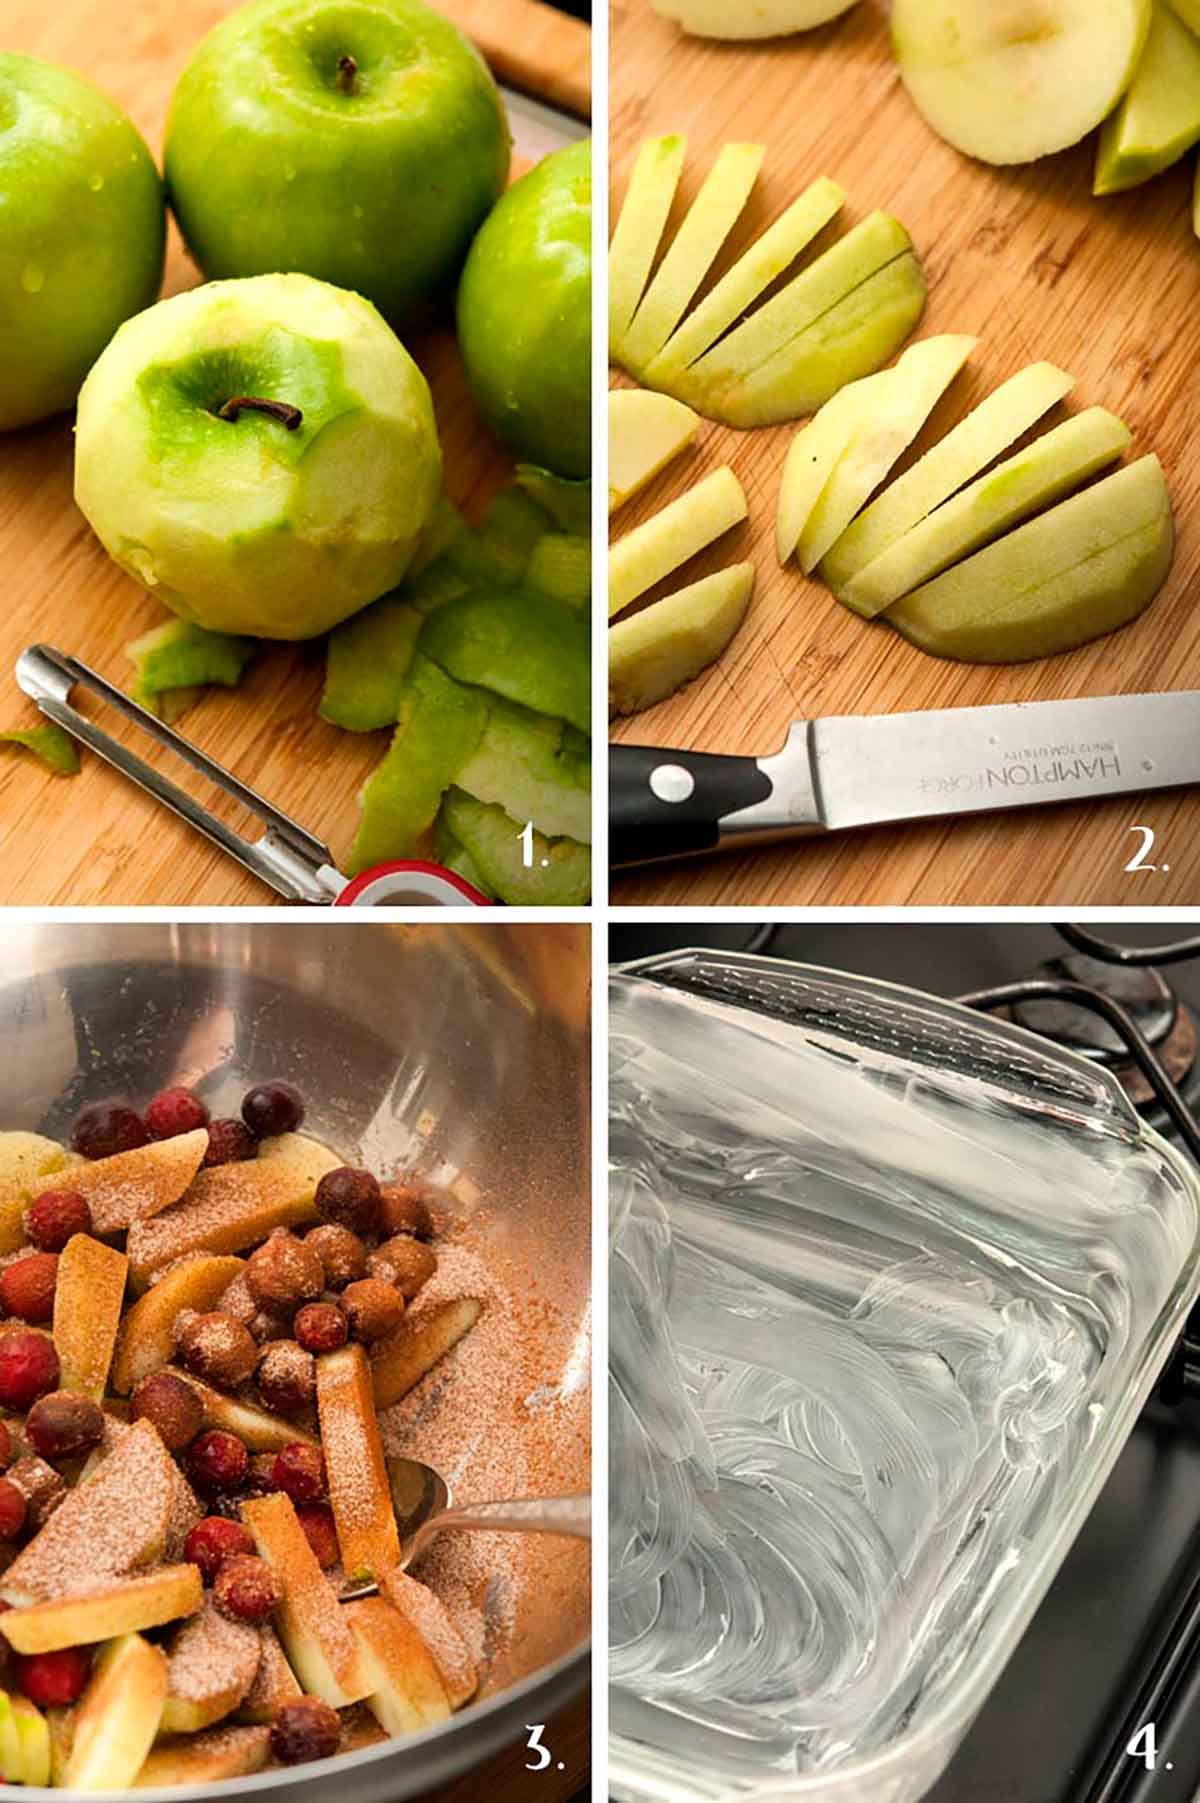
875,770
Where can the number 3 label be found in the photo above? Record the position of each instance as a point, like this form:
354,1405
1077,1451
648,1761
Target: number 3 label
535,1730
1137,862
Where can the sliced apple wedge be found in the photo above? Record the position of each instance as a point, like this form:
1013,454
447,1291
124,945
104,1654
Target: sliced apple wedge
211,1664
819,290
147,1338
1051,468
853,340
26,1160
646,431
673,536
359,1491
1006,415
445,1645
115,1522
812,456
309,1621
406,1691
694,248
34,1737
261,1431
655,652
205,1758
400,1362
124,1607
639,230
87,1312
1188,11
751,276
1091,564
1009,81
901,405
118,1714
1158,121
234,1205
274,1682
750,18
12,1758
135,1185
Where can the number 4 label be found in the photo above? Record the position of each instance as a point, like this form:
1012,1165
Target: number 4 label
1144,1746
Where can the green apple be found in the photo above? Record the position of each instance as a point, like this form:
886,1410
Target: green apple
639,230
525,315
905,398
978,440
841,318
646,431
1009,81
750,18
1051,468
360,141
673,536
750,277
1090,565
1158,121
656,651
82,234
694,249
260,454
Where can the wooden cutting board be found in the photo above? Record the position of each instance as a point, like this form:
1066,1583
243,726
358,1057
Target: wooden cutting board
95,838
1026,259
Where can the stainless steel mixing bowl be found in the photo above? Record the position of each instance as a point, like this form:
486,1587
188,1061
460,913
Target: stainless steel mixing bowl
461,1048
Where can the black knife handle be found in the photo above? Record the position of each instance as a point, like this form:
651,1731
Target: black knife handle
670,804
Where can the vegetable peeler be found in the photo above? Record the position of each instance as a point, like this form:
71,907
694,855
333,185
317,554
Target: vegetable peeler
286,857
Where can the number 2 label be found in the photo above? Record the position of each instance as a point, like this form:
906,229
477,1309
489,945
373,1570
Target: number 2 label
1138,861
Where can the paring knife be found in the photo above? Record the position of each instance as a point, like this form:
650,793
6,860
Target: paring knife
874,770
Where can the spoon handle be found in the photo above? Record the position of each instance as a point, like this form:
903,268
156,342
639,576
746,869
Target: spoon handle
526,1515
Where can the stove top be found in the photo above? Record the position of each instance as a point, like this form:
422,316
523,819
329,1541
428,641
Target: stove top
1115,1646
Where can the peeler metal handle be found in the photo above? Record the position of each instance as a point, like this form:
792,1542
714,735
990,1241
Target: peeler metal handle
286,857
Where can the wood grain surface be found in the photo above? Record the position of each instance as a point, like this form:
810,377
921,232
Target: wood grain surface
1026,259
95,839
531,47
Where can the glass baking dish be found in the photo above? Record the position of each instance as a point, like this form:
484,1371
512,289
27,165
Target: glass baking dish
890,1282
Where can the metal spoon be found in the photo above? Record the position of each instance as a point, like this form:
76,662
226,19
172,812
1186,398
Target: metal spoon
424,1507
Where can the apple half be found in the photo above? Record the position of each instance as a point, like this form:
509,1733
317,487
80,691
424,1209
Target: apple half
905,398
1051,468
664,646
1088,566
999,420
1009,81
673,536
1158,121
750,18
646,432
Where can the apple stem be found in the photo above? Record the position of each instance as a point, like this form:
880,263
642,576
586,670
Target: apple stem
283,411
347,75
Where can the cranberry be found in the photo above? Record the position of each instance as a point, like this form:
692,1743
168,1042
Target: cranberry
375,1308
214,1540
175,1111
27,1286
106,1129
171,1405
321,1327
307,1729
246,1589
404,1262
64,1424
317,1521
43,1488
341,1252
261,1481
217,1461
28,1367
6,1446
229,1142
12,1509
403,1210
272,1108
284,1272
55,1217
349,1198
286,1376
300,1471
52,1679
